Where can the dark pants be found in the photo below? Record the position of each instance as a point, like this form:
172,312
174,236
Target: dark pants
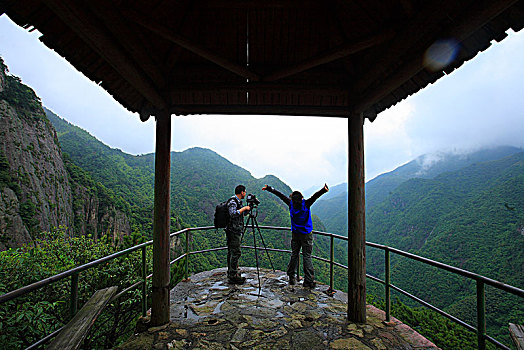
300,240
233,252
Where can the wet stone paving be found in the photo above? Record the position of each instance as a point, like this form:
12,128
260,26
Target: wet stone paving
209,313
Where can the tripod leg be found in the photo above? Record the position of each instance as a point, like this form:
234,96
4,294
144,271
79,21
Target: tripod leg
256,252
264,243
245,228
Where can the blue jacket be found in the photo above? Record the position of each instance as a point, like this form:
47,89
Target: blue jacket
300,217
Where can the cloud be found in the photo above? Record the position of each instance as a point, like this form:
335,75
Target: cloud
387,142
477,105
302,151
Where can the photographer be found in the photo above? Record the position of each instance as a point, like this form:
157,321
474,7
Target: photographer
301,228
234,234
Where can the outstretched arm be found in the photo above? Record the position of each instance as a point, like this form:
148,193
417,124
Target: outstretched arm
313,198
277,193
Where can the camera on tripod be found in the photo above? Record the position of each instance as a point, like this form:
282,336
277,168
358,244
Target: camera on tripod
252,200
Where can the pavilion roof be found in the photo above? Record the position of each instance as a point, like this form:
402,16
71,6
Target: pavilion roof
287,57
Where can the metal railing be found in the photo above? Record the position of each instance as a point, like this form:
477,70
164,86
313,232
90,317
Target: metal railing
481,281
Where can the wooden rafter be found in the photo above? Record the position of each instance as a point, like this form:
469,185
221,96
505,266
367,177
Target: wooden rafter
410,68
406,39
92,34
330,56
131,39
191,46
262,85
276,109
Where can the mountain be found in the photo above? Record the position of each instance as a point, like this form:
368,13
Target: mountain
471,218
200,179
463,210
39,188
332,208
427,167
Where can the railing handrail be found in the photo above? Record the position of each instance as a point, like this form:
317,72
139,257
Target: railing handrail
506,287
481,280
46,281
42,283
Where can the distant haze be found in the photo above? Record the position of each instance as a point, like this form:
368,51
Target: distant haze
480,104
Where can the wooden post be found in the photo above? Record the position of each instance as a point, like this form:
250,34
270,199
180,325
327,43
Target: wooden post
161,275
356,222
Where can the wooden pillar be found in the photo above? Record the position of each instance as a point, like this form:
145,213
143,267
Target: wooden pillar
161,220
356,222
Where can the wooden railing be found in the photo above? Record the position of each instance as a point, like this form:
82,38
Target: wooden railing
481,281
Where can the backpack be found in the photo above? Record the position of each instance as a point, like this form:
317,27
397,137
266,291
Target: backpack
222,214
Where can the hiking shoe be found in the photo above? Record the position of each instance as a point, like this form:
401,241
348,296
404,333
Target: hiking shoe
310,285
292,281
236,280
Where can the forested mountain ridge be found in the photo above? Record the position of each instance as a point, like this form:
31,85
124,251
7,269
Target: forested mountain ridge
332,208
39,188
429,166
200,178
412,214
466,211
472,218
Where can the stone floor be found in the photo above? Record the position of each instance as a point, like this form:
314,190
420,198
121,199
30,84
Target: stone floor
209,313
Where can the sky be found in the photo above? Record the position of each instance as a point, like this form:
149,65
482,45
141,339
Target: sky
479,105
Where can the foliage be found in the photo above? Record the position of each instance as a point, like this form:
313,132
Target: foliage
6,180
471,219
465,211
28,215
18,94
29,318
435,327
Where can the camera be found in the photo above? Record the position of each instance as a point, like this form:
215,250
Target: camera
252,200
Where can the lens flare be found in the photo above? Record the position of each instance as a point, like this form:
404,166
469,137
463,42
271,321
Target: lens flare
441,54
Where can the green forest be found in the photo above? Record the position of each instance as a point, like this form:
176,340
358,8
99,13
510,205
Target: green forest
466,213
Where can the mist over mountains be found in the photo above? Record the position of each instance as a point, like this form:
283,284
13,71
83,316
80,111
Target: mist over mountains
379,188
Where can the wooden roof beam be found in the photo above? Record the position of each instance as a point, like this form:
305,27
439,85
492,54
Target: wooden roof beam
316,89
190,46
330,56
258,4
76,19
131,39
475,19
298,110
403,41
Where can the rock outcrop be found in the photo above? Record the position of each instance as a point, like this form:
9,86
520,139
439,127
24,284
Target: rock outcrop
37,192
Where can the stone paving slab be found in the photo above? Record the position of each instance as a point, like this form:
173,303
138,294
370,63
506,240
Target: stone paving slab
209,313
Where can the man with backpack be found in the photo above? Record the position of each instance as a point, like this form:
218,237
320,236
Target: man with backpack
302,236
234,231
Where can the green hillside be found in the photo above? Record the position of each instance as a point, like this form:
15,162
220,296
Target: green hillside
333,212
200,179
428,167
472,219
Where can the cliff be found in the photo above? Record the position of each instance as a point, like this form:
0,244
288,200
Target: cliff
37,191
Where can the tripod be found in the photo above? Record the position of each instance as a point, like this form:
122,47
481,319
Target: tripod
252,223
